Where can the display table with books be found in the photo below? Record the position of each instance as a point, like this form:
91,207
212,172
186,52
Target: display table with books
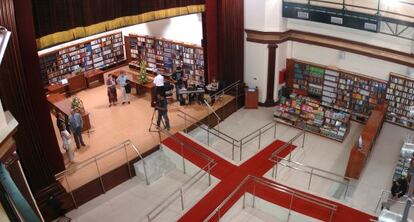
308,114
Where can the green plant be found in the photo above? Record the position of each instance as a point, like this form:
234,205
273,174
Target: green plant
77,105
143,78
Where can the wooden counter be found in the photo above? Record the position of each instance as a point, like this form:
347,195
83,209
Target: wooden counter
94,75
359,155
56,88
59,103
77,82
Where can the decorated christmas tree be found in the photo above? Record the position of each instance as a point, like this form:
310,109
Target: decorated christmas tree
77,105
143,78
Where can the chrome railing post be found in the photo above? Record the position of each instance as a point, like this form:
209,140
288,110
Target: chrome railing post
303,139
274,133
71,192
182,198
254,194
100,175
127,159
185,122
244,200
290,206
209,174
208,136
232,150
346,189
182,156
148,217
260,136
310,179
241,149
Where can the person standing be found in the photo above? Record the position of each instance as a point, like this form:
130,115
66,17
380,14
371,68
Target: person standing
122,81
62,122
159,84
162,111
177,78
112,96
76,123
66,142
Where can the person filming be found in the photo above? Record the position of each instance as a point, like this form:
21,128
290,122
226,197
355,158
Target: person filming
162,111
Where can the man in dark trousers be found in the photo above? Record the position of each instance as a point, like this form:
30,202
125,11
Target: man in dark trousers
76,123
162,111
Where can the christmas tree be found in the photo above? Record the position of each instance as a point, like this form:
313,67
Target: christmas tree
143,78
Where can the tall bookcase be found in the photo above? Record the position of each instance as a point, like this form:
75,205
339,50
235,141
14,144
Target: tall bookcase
92,54
400,96
164,54
353,93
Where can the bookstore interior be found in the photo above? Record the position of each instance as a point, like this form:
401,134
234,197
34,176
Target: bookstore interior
155,101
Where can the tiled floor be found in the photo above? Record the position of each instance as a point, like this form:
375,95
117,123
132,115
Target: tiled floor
132,200
322,153
318,152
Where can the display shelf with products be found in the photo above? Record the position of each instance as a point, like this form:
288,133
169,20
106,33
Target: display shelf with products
92,54
307,113
330,88
400,96
342,90
164,55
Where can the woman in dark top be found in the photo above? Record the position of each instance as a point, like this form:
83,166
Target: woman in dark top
62,123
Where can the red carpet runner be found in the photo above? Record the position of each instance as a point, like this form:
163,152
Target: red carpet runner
231,176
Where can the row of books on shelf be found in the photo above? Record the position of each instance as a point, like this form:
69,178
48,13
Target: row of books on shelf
164,54
307,113
400,96
96,53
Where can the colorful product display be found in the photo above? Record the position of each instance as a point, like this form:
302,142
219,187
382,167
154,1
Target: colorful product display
355,94
307,113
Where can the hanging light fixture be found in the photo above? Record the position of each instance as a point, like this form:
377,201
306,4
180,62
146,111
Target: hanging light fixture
4,39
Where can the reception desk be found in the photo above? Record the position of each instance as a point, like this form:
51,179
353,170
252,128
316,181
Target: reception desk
359,154
59,103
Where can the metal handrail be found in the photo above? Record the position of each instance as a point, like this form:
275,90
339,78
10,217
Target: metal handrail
389,199
95,159
197,121
311,167
275,186
376,9
179,193
258,131
99,156
226,89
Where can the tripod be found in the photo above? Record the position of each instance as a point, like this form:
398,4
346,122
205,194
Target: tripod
153,124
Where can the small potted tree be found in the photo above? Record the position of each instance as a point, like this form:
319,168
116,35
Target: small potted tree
143,78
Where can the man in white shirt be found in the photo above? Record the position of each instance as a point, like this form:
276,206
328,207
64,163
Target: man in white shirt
159,84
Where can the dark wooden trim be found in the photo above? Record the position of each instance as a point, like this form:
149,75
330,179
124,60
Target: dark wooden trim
271,66
292,35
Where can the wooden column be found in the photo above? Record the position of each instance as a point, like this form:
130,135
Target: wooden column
271,66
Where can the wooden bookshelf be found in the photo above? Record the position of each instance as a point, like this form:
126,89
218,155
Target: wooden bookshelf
164,55
339,89
96,53
400,96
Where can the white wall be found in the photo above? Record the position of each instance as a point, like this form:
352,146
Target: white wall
187,28
176,28
255,67
351,62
